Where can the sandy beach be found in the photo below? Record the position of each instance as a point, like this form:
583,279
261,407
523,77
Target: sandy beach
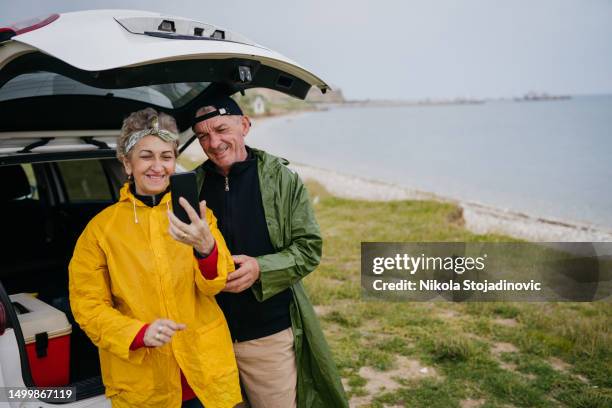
478,218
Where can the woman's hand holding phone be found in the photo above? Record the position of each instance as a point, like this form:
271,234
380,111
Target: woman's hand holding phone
197,234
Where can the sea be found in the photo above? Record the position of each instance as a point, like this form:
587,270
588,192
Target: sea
550,159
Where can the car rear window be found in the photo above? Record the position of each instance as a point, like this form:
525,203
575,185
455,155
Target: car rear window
173,95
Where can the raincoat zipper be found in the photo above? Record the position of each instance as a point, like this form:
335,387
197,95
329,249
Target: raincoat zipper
226,183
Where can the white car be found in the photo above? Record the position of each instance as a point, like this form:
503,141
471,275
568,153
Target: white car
66,83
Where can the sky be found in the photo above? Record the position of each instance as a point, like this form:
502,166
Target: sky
410,49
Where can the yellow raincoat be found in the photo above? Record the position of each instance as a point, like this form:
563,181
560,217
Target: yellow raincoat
127,271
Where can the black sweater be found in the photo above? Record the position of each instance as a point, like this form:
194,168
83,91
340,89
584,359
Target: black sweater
236,202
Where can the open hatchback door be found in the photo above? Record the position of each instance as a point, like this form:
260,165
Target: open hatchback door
88,70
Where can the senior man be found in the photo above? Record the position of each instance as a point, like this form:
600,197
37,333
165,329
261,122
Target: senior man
264,213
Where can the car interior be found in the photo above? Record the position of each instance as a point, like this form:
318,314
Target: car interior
45,208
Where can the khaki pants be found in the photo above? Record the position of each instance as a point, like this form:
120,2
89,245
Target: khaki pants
268,370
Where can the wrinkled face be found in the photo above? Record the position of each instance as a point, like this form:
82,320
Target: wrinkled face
151,162
222,138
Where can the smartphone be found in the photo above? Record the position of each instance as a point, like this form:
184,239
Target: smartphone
184,185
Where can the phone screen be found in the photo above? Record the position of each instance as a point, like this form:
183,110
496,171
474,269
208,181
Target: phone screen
184,185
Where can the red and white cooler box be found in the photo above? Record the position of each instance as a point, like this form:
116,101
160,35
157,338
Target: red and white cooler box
47,336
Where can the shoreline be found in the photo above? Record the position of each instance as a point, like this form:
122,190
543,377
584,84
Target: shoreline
479,218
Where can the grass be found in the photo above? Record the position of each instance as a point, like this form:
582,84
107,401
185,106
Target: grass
460,341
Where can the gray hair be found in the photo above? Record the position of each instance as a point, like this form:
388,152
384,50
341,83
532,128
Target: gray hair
142,120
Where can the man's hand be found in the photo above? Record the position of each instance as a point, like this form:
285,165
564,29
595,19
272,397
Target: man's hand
160,332
245,276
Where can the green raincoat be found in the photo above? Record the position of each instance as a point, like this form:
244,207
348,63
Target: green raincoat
295,235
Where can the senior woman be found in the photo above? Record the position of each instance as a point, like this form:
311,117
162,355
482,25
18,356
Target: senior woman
142,284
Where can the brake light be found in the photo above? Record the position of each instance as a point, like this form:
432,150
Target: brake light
32,24
6,34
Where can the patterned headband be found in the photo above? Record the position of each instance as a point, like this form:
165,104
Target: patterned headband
163,134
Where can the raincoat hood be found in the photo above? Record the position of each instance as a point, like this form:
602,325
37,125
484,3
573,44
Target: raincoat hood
125,194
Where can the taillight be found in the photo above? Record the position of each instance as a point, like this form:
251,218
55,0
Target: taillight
6,34
26,26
